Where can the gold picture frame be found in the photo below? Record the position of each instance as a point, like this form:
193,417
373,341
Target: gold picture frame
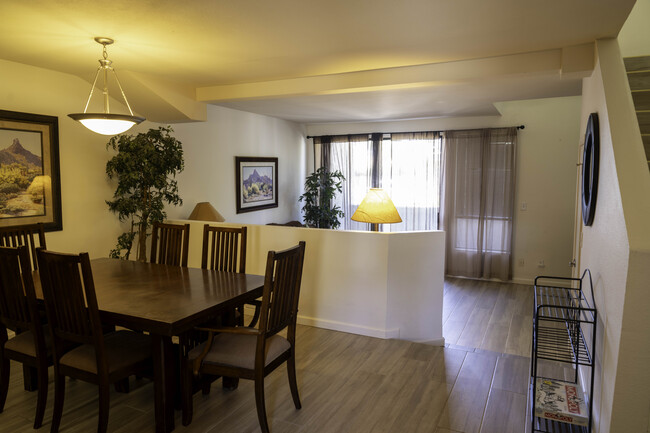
30,185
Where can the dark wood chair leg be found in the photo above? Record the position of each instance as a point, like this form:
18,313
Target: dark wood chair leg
59,395
259,403
293,384
186,393
41,398
4,380
122,386
229,383
30,378
205,386
104,405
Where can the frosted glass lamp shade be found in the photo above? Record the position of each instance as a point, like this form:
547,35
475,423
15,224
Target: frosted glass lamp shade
106,123
204,211
377,208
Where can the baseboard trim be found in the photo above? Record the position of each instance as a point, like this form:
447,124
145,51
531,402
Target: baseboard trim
435,342
352,328
334,325
526,281
348,327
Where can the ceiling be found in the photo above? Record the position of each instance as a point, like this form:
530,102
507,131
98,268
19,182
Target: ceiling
318,61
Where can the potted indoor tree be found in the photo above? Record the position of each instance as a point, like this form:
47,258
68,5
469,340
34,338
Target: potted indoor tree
145,166
320,189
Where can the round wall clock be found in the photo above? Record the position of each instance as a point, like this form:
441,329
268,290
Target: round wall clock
590,158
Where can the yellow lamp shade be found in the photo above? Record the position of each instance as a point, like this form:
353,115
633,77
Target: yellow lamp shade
204,211
377,208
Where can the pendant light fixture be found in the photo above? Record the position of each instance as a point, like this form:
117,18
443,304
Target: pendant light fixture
106,123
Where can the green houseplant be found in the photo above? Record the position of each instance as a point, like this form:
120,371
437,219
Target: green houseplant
320,189
144,167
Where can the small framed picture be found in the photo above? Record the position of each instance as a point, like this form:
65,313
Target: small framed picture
257,183
30,186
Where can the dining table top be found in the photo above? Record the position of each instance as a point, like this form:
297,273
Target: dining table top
162,299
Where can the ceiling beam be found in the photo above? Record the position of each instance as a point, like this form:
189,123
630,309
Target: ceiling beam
570,60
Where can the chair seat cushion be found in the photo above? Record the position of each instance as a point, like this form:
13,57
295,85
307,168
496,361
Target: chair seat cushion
237,350
122,349
24,343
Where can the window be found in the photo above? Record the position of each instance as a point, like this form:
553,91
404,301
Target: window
473,201
407,166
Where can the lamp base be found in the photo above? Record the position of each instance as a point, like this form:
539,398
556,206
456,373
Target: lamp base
374,227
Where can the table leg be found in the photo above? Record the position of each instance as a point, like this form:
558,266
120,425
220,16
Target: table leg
164,382
229,318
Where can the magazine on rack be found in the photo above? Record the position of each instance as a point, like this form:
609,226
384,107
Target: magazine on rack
560,401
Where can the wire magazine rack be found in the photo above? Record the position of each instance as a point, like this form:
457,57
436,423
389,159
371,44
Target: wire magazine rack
564,338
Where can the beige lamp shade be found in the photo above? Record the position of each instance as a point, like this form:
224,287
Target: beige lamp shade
377,208
204,211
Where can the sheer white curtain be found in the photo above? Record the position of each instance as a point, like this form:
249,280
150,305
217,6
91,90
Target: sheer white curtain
407,166
410,175
352,155
478,206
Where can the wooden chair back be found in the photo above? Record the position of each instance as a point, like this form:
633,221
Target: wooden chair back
170,244
24,235
281,290
70,300
224,249
17,297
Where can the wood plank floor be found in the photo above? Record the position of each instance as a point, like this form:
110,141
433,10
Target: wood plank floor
488,315
348,383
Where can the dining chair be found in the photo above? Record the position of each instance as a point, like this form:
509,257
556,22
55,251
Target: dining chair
31,344
224,249
170,244
27,235
73,315
251,353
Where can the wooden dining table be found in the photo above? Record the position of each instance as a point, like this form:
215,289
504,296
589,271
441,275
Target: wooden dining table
165,301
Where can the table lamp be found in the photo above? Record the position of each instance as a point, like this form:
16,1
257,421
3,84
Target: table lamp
376,208
204,211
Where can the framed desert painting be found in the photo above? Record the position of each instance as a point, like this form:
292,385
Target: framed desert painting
30,187
257,183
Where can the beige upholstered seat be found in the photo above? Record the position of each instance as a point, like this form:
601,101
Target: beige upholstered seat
251,353
25,342
73,314
239,350
122,349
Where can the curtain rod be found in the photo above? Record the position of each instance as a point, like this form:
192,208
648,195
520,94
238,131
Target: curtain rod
411,132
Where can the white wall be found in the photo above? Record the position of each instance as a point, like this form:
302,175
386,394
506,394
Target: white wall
616,248
385,285
546,174
210,149
87,223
